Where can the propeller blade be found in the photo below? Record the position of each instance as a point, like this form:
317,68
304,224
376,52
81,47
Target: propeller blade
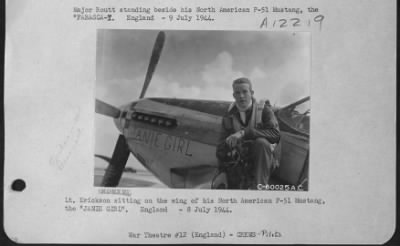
117,164
155,56
103,157
107,109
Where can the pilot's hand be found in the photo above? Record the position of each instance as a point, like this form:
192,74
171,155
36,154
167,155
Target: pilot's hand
233,139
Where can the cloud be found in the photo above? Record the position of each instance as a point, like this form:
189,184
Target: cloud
291,92
119,91
162,87
214,83
257,73
220,70
282,84
166,88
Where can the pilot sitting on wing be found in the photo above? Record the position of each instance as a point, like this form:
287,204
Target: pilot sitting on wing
248,120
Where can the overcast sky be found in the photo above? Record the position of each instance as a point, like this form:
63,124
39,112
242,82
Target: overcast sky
200,65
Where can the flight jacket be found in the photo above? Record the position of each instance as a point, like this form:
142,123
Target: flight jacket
268,128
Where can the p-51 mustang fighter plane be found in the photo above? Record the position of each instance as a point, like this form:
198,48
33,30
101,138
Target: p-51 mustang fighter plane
176,139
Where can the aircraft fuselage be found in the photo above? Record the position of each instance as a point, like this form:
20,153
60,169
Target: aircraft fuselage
176,140
174,137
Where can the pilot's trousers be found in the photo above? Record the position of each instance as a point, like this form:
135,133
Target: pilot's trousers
262,161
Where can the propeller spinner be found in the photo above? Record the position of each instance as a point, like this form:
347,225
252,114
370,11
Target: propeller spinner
121,152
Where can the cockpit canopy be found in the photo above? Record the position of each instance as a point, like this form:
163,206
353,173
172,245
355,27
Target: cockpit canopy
295,118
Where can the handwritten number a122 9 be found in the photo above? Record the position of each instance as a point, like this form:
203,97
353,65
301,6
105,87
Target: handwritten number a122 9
296,21
283,23
264,23
319,18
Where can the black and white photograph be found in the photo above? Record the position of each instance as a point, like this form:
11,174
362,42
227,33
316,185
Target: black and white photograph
202,109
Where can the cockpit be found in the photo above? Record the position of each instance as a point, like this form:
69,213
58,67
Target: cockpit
296,117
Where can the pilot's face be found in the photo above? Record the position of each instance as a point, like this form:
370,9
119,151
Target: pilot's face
242,94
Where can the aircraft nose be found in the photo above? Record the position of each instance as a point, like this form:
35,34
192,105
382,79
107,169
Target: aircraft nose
121,120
